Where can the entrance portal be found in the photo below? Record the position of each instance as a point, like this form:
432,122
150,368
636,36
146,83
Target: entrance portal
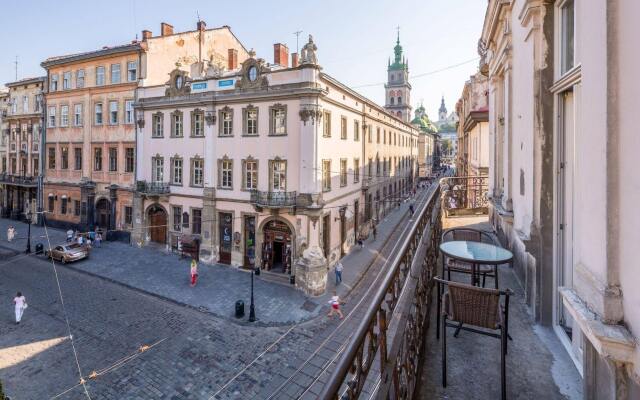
158,224
276,249
103,214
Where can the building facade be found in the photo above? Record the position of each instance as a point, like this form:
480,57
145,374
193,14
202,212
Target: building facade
427,142
473,128
275,166
22,143
91,125
562,92
398,88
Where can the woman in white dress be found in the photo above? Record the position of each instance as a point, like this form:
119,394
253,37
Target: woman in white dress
20,304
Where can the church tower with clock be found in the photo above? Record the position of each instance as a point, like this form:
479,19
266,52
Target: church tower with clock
397,88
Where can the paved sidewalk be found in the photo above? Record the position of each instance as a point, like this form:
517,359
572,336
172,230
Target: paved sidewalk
167,276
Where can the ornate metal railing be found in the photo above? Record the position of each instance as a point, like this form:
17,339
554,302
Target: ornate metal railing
396,343
273,199
153,188
465,194
18,179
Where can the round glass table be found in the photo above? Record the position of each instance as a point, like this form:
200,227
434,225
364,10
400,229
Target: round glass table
476,253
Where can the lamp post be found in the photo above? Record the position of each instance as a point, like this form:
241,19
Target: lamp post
28,250
252,309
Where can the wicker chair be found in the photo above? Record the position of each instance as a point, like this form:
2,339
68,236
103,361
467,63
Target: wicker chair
475,307
471,235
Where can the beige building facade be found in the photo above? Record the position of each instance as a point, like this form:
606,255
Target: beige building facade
562,92
473,128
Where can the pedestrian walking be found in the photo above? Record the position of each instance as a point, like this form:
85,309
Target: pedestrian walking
375,233
360,242
20,303
194,272
98,239
335,305
338,271
80,239
11,233
411,209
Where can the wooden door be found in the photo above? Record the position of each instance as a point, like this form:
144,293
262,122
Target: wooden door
158,226
326,231
226,233
356,212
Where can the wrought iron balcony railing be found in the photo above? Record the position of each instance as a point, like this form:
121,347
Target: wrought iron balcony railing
465,194
153,188
18,179
273,199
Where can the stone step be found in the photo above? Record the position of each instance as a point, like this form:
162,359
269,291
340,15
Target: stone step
274,277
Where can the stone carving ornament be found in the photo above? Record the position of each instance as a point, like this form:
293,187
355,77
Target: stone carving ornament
252,73
178,84
308,53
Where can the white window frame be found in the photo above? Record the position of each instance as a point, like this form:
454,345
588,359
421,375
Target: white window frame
129,112
77,115
53,85
51,120
25,104
226,174
278,175
251,175
157,169
113,112
197,172
100,78
130,69
177,165
115,73
66,80
96,120
64,115
80,79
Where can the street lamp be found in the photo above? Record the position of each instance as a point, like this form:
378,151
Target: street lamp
252,309
28,250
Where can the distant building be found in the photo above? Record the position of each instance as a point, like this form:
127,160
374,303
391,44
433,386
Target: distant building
447,129
398,88
427,142
473,128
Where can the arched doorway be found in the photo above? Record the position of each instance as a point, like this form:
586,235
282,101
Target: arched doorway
103,213
157,218
277,248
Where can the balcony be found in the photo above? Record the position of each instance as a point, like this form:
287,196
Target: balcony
465,195
17,180
273,199
153,188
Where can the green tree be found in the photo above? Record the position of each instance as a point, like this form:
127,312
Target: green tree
2,396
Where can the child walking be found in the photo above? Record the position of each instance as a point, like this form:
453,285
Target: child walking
194,272
335,305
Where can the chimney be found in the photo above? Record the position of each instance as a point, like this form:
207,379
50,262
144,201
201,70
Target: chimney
232,61
166,29
294,60
146,34
202,25
281,55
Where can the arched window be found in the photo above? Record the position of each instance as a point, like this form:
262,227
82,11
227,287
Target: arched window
399,99
392,100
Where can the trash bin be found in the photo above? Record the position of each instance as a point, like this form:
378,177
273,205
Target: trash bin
292,279
239,309
39,248
256,271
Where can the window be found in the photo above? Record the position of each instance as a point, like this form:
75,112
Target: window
369,129
64,156
64,115
129,159
370,168
384,137
52,117
177,218
197,123
567,31
63,205
399,100
53,85
98,114
326,175
157,171
113,112
343,128
384,166
197,172
176,124
128,215
250,175
77,115
80,79
226,122
99,76
14,105
4,164
356,170
35,163
185,220
226,174
115,73
76,207
378,135
52,158
25,104
176,171
157,127
377,166
343,172
113,159
356,131
128,111
132,71
77,154
66,80
51,203
326,124
251,121
97,159
196,226
278,119
278,175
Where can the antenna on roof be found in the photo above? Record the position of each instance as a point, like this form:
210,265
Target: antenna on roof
297,33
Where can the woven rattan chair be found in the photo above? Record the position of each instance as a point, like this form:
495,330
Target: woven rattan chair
481,311
470,235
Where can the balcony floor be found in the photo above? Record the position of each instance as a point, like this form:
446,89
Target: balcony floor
538,366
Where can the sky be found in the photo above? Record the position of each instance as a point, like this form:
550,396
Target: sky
355,38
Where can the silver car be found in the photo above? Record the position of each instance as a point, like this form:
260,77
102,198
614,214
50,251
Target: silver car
68,252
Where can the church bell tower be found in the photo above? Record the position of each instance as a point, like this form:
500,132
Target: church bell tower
397,88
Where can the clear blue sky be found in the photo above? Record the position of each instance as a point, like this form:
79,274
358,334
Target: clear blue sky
355,38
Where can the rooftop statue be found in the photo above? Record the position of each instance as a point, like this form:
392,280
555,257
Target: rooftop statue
308,53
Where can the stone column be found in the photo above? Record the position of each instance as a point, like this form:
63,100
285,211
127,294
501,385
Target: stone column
208,247
88,196
139,232
311,268
113,197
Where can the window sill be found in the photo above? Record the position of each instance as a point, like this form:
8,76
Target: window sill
225,136
196,136
157,137
224,188
176,184
176,137
197,186
277,134
250,135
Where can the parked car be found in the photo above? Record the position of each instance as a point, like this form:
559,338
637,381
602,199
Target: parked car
68,252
